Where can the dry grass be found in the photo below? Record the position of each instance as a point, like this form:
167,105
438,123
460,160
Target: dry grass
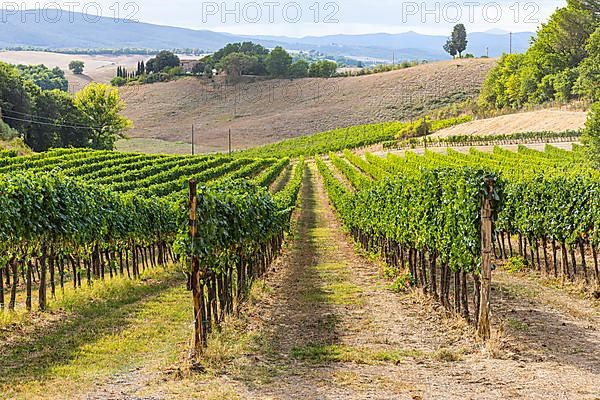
98,68
99,332
15,144
552,120
153,146
262,112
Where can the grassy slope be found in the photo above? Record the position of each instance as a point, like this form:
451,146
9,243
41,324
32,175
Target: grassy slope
15,144
94,333
551,120
263,112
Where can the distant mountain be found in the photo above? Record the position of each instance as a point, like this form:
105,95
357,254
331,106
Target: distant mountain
405,45
75,30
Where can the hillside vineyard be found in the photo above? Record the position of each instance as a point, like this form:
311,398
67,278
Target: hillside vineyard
424,213
85,215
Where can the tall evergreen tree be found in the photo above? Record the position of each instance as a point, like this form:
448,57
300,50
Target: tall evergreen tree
459,39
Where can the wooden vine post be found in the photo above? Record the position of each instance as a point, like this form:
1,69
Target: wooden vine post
197,293
487,211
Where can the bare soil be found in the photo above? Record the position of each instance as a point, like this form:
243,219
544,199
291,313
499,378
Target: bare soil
551,120
262,111
98,68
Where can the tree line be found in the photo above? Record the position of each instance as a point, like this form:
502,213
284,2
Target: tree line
248,58
46,116
44,77
563,63
235,60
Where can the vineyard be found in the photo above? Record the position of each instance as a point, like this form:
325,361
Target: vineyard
440,225
424,214
351,137
73,215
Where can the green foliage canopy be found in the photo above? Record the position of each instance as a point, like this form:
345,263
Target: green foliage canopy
44,77
100,106
278,62
561,63
77,67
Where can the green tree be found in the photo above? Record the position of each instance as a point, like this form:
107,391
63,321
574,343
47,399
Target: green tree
278,62
564,83
208,71
77,67
591,134
560,64
560,43
299,69
588,83
502,87
248,48
449,48
60,122
15,97
100,106
45,78
118,81
198,68
422,127
141,68
150,66
459,39
236,64
163,60
6,132
323,69
593,6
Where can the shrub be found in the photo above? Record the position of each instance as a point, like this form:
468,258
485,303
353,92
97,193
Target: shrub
402,283
516,264
118,81
6,132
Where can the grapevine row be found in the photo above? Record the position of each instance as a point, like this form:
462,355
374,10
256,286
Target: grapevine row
235,231
428,221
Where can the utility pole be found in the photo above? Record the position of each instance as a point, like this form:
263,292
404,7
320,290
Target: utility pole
487,52
193,144
234,105
510,41
393,59
229,141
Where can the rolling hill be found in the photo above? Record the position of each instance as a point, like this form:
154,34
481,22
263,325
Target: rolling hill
266,111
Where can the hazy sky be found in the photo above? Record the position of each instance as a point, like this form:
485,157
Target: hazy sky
311,17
